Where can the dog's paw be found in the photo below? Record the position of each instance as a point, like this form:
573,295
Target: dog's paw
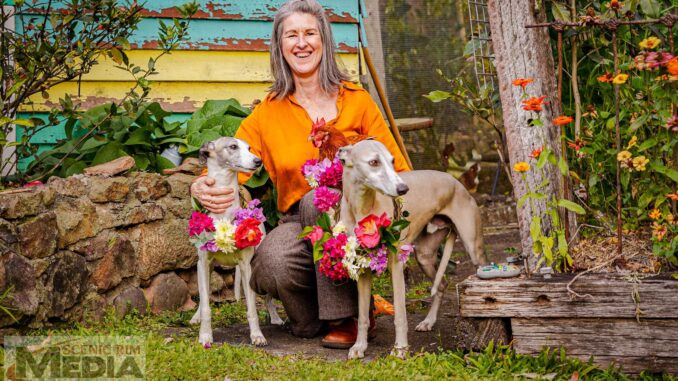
399,352
276,320
258,340
357,351
425,326
205,339
196,317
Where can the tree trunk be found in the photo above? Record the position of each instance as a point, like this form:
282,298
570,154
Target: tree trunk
526,53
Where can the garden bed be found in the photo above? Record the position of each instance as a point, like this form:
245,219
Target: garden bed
625,320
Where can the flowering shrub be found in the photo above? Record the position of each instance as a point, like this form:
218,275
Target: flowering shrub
551,246
341,255
647,79
227,238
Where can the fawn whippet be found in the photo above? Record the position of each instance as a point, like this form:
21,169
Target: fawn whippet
439,206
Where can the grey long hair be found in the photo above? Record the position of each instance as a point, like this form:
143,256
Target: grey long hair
330,74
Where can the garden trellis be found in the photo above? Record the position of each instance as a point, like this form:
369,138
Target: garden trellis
612,25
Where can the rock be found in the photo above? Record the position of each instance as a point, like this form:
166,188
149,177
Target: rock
180,185
118,262
120,215
163,246
216,282
113,189
16,272
180,208
94,248
65,282
76,220
40,265
190,166
167,292
132,298
8,237
148,186
111,168
22,202
191,278
39,236
93,307
72,186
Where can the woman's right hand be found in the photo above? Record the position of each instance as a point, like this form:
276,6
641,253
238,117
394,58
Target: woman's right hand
215,199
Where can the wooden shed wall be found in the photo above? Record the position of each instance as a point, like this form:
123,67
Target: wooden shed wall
225,56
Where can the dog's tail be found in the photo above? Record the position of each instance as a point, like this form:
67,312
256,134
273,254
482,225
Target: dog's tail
442,266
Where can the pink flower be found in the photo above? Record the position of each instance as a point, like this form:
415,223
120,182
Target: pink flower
367,232
325,198
199,223
405,251
315,235
333,252
331,177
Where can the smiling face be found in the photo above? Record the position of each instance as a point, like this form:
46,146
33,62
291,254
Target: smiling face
302,46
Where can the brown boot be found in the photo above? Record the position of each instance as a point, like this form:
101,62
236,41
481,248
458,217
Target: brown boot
344,334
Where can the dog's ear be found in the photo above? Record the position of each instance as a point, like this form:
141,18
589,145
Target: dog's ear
343,154
204,152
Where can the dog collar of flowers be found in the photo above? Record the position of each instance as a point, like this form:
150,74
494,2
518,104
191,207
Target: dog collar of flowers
227,238
342,255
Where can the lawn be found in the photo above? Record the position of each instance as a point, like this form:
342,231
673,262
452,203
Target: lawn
172,352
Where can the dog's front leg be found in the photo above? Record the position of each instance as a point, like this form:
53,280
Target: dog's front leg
400,320
364,295
204,311
256,336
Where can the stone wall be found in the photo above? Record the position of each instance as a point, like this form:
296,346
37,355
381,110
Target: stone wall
72,247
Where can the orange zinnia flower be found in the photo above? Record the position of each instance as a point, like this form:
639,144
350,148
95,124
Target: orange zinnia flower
672,66
658,231
673,196
607,77
577,144
522,82
521,167
533,104
562,120
655,214
615,4
536,152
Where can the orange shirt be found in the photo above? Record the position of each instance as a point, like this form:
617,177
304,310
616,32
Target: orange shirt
277,131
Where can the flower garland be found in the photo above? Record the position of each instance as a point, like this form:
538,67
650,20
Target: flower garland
224,238
342,255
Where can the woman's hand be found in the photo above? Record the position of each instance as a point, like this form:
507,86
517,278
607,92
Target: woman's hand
214,199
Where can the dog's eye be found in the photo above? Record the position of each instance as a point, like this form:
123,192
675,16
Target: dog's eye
373,163
233,147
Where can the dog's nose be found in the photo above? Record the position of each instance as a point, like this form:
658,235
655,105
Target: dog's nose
402,188
257,162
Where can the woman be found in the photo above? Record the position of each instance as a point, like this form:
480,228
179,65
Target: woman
308,85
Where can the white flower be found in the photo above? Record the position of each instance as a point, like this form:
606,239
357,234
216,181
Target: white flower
312,182
339,228
224,236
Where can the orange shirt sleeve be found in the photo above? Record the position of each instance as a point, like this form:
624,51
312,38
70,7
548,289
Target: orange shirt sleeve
373,124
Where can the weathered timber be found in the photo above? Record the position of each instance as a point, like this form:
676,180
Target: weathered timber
476,334
649,344
611,296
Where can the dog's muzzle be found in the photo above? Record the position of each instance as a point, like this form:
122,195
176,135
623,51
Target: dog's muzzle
257,162
402,188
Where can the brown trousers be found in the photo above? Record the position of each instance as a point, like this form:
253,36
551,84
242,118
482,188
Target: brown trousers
283,267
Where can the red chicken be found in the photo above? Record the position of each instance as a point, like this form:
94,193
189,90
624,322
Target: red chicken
328,139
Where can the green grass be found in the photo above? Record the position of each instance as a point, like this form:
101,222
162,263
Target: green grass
184,358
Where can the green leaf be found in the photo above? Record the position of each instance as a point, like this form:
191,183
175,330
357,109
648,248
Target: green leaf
541,162
645,199
110,151
571,206
561,12
163,163
547,248
92,143
141,161
23,122
324,222
668,172
522,200
562,165
436,96
258,179
76,168
651,8
562,244
649,143
675,276
140,136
